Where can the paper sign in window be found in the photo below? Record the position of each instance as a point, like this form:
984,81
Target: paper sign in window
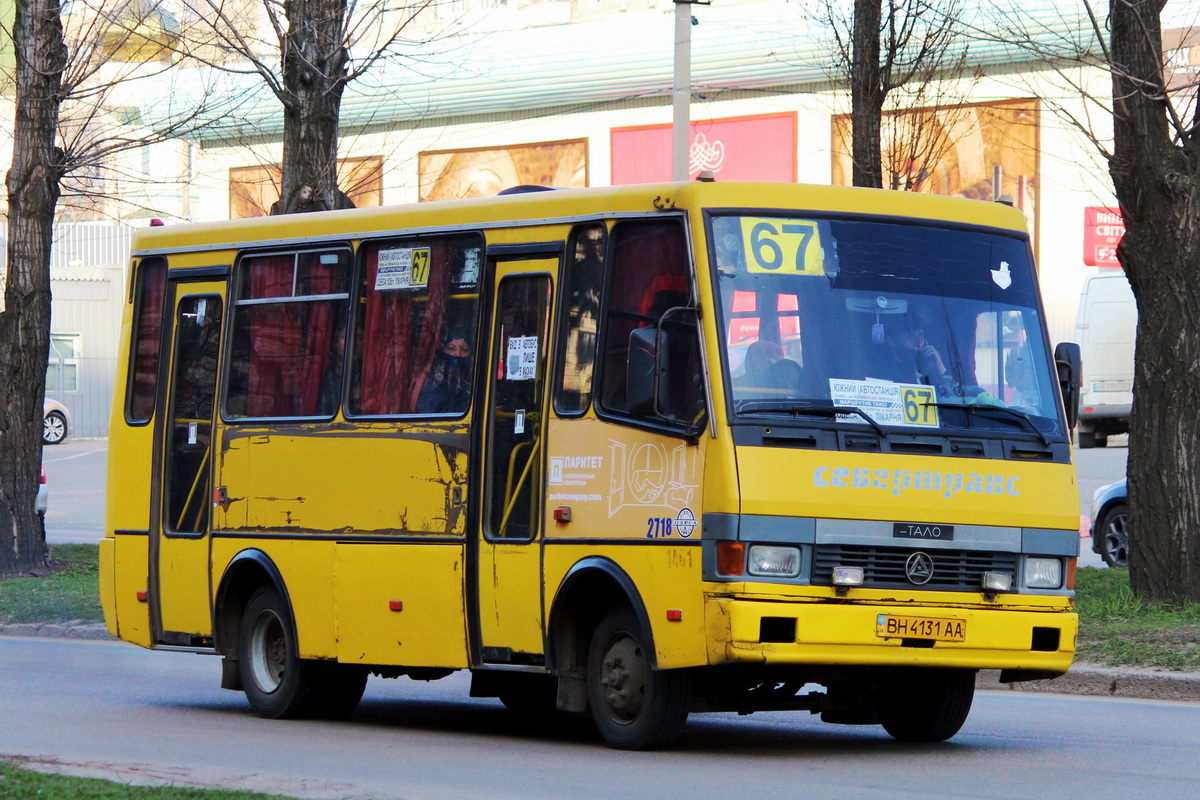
521,363
402,268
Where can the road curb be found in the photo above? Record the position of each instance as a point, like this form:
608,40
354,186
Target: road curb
59,630
1099,681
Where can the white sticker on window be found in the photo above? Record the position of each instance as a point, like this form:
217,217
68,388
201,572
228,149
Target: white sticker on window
519,421
402,268
886,403
1002,277
521,363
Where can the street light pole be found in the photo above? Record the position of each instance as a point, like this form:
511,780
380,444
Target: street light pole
682,91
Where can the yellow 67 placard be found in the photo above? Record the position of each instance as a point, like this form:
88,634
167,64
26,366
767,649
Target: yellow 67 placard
918,404
421,259
782,246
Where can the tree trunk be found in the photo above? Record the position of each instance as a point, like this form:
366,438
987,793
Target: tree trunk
33,188
314,77
866,95
1158,187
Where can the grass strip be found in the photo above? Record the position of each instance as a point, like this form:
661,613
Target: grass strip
23,784
70,592
1117,628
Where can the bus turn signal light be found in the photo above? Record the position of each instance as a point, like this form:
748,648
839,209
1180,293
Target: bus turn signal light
731,558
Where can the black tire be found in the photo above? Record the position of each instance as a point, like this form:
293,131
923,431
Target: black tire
1101,440
1087,440
277,682
926,706
54,428
634,707
1112,535
42,524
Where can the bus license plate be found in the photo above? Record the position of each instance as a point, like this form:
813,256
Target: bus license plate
890,626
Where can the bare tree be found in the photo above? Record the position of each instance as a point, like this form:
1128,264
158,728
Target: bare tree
33,186
1153,157
319,47
65,125
893,45
1155,167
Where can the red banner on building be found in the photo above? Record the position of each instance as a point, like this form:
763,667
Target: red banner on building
1102,232
760,148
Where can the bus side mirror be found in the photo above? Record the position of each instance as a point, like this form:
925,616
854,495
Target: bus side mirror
1069,363
646,370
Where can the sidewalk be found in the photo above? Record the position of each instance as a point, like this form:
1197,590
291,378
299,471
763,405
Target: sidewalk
1083,679
1102,681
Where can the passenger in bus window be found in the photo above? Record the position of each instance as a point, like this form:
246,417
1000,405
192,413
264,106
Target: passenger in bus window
447,387
786,378
759,357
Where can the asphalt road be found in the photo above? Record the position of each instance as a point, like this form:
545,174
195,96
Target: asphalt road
76,474
132,715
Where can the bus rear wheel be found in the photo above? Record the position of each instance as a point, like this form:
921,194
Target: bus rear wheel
634,707
927,706
277,682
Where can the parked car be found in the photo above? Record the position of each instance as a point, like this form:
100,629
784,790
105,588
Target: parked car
43,496
1110,524
56,422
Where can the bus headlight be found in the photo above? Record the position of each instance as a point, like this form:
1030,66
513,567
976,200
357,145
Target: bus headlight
1043,573
768,560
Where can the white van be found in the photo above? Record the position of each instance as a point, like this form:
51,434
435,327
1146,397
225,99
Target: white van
1105,330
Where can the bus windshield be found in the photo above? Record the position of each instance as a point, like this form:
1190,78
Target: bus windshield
858,321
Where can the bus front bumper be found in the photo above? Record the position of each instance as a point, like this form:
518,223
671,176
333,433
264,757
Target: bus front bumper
880,634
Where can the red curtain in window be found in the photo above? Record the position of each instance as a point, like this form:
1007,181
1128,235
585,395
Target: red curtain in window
400,336
318,335
275,333
432,319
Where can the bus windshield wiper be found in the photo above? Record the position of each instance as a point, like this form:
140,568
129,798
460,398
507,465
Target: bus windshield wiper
1012,412
801,410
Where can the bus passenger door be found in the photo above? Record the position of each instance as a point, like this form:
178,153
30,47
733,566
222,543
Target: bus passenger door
182,496
509,582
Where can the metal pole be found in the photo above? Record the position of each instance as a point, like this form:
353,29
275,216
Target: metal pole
682,92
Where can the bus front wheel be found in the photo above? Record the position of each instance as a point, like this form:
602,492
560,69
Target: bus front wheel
634,707
277,682
926,707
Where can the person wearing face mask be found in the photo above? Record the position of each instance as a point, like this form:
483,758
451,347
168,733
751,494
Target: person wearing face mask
447,387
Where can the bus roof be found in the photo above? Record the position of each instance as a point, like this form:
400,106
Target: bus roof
564,205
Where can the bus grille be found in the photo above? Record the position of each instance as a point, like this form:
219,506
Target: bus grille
884,567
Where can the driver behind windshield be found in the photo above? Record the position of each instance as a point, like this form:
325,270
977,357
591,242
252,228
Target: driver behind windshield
907,357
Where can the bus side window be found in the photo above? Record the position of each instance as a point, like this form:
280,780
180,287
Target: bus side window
288,335
415,332
581,318
146,341
649,274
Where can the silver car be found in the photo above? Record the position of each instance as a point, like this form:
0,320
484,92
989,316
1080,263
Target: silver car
56,422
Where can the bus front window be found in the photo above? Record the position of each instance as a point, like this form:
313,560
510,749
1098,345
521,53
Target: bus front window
915,326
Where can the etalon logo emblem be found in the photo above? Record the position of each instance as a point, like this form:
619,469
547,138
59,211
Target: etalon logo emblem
919,568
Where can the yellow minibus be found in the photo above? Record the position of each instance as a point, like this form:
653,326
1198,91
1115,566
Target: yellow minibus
637,451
